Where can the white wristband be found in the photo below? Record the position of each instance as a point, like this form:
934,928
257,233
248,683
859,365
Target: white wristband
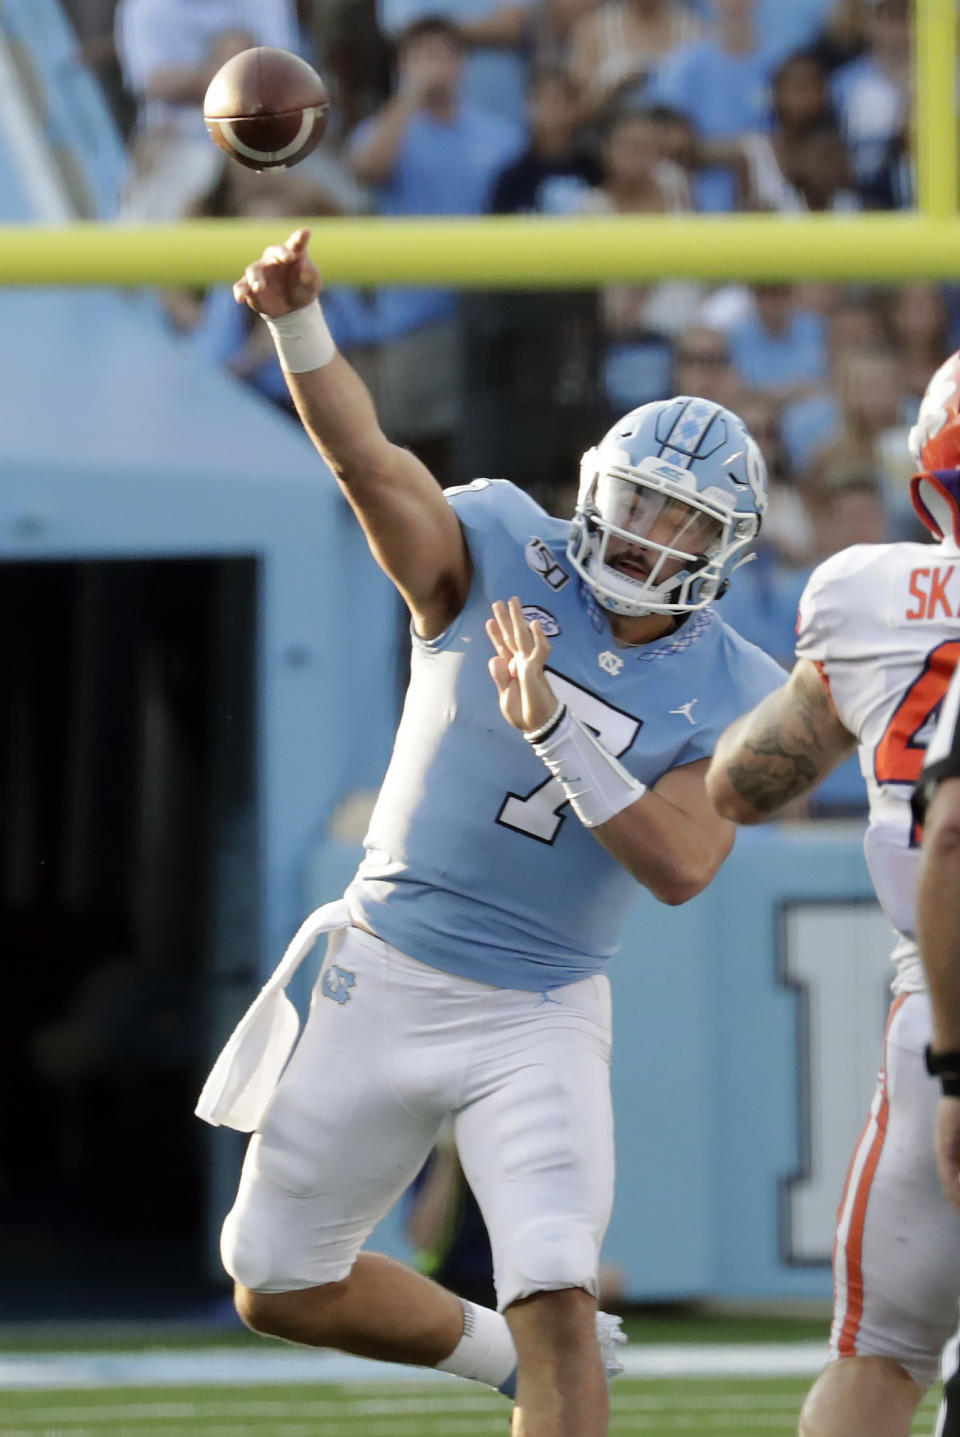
302,338
534,735
597,785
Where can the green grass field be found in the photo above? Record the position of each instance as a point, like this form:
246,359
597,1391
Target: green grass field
649,1407
654,1409
682,1322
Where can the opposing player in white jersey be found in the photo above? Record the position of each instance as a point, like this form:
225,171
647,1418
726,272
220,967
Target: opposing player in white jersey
466,976
878,641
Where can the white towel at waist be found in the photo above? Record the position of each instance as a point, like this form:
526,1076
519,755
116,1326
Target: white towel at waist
243,1078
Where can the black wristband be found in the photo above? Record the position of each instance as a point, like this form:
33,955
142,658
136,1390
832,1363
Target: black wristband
930,780
946,1067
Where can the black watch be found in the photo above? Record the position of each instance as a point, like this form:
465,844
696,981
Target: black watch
946,1067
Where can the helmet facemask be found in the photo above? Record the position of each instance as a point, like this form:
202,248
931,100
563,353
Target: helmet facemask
936,501
647,542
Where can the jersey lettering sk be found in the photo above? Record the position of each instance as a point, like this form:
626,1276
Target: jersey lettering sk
932,598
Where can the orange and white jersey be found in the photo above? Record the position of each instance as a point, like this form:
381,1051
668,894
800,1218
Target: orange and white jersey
882,624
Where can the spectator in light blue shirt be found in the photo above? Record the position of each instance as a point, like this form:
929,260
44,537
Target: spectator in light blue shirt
791,24
495,33
722,84
872,93
777,347
427,153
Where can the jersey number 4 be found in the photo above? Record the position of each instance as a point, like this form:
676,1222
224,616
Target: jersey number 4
538,814
899,757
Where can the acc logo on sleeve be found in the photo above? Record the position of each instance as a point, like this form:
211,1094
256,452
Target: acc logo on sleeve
540,559
543,617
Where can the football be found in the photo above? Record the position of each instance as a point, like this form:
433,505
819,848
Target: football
266,108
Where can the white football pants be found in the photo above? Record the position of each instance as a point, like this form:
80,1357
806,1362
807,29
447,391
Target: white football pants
391,1047
896,1264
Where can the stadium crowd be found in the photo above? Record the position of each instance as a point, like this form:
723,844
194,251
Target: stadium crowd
578,107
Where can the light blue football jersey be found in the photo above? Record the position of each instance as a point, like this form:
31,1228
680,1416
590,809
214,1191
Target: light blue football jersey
474,862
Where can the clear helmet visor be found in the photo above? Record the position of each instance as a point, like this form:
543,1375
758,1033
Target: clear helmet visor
651,536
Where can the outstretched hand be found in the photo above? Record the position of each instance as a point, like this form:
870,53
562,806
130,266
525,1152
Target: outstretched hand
283,280
526,699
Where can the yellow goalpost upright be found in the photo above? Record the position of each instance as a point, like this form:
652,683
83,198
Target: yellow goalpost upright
504,252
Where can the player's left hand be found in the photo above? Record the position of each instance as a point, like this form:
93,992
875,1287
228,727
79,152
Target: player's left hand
526,699
948,1148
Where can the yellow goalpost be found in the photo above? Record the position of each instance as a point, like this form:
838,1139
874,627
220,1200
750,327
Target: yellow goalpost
499,253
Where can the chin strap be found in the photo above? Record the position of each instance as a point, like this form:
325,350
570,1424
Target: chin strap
935,495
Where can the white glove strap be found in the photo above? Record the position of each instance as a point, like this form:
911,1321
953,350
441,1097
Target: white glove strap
302,338
597,786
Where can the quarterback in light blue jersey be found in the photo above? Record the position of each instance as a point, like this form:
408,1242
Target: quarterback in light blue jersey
475,862
569,681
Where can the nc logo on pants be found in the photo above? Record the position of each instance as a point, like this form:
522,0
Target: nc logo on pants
337,983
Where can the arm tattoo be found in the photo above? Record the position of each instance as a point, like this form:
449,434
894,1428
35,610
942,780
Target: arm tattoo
781,760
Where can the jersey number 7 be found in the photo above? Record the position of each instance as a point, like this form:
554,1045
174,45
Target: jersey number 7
538,814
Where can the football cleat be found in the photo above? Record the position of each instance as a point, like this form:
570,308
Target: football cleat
610,1334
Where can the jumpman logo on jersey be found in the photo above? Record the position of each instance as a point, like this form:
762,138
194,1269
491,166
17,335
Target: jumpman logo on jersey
337,983
685,709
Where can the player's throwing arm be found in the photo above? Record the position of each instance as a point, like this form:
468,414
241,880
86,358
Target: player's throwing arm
412,531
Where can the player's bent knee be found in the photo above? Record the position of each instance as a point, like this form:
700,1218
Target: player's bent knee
544,1256
305,1315
252,1311
300,1316
270,1260
249,1256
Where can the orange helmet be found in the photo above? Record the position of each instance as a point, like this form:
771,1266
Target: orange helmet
935,445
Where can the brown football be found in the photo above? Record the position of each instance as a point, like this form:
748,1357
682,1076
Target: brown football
266,108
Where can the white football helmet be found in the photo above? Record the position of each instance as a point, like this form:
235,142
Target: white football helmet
935,446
